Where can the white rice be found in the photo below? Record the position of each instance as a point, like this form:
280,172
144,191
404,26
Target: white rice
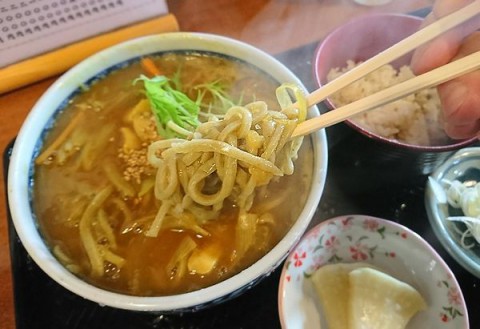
415,119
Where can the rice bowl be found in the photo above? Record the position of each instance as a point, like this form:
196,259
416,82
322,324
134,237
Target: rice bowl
379,158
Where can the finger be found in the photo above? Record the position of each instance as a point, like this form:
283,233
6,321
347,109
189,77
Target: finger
465,131
443,48
460,100
470,45
460,97
436,53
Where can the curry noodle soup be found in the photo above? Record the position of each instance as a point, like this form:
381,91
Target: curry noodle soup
94,188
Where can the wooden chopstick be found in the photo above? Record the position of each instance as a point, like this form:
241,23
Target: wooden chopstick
426,80
399,49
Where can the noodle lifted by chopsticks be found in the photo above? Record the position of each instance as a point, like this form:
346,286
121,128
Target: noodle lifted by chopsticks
224,160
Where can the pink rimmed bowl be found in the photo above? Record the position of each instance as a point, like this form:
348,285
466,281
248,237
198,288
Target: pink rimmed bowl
385,159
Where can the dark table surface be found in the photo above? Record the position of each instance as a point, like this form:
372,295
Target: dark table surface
350,189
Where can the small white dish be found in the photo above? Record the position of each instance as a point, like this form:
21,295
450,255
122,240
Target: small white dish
464,165
388,246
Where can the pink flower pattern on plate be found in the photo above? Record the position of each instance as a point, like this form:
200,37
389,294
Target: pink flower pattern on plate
370,225
332,243
451,311
299,257
359,252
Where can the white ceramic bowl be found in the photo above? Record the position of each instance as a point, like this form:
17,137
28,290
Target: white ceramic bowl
20,172
464,165
388,246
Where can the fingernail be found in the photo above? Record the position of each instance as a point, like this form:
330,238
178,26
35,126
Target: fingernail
453,96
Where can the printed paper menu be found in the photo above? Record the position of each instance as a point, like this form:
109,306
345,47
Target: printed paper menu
30,28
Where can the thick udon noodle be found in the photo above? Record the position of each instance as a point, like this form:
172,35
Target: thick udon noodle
226,159
200,209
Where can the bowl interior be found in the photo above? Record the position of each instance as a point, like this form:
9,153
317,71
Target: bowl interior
362,39
20,170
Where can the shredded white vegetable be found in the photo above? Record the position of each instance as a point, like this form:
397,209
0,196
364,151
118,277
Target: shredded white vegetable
467,198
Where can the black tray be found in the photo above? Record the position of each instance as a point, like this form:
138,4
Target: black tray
42,303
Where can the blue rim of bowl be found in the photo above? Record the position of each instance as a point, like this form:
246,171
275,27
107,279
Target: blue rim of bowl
420,148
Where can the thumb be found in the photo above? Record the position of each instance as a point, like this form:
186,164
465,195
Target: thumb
442,49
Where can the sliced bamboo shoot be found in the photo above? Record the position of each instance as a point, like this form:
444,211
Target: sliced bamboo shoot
378,300
203,261
332,286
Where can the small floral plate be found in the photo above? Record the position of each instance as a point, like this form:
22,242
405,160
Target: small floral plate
388,246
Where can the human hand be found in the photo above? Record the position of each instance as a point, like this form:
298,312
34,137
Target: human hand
460,97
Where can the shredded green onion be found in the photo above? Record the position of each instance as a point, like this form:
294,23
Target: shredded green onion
175,113
220,102
466,198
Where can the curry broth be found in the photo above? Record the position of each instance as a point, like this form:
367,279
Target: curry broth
65,184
